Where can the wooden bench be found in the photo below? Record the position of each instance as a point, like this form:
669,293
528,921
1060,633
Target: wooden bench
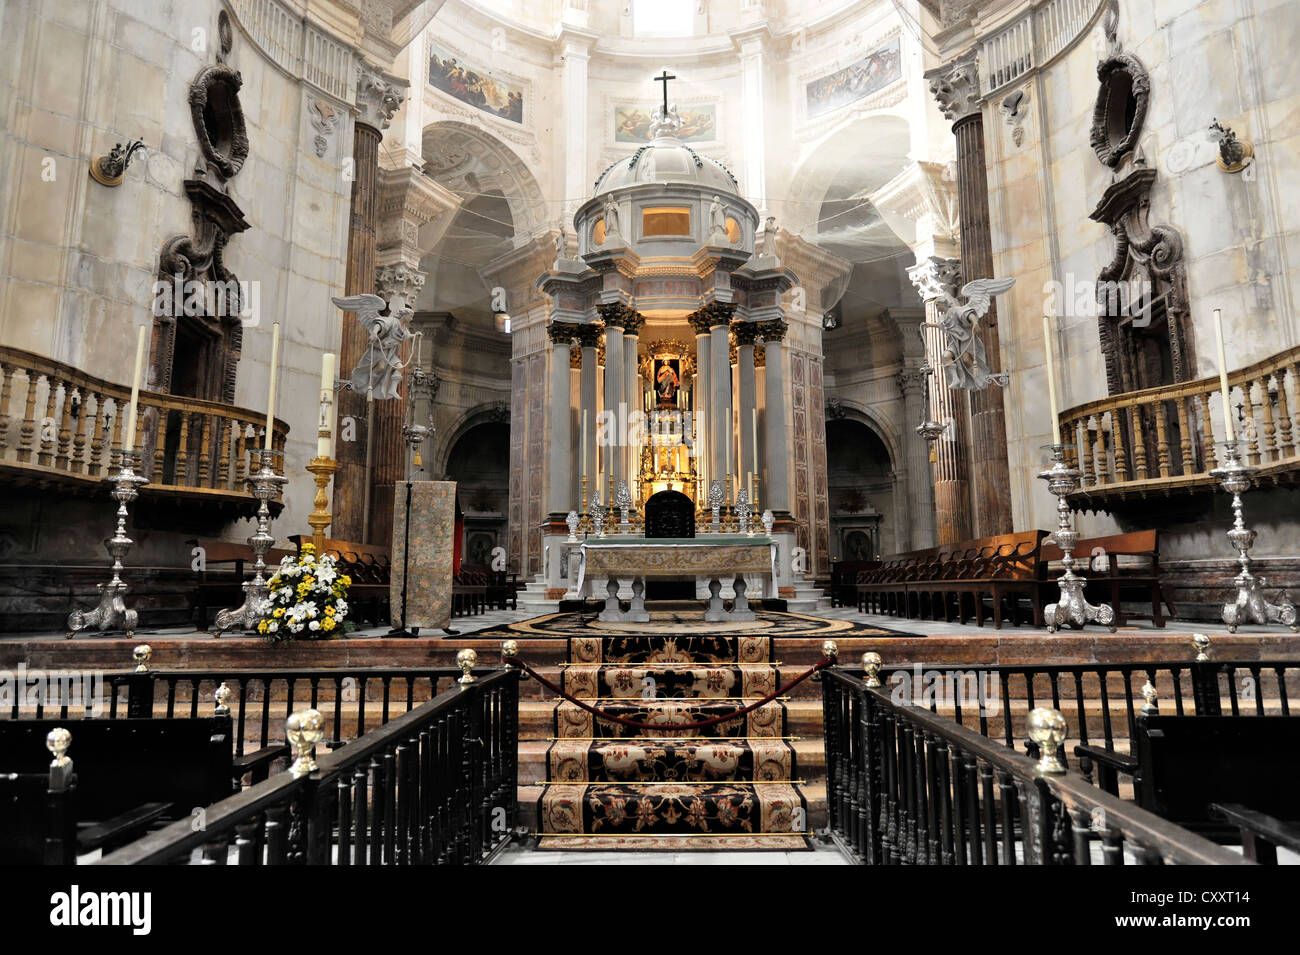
370,568
129,775
1115,582
954,580
219,587
469,591
1182,765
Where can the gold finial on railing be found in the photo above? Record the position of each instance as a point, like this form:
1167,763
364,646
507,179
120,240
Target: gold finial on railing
1202,644
1047,728
57,742
509,649
871,663
222,695
1152,705
304,730
467,659
141,655
831,650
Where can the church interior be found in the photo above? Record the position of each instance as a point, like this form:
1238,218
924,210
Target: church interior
458,432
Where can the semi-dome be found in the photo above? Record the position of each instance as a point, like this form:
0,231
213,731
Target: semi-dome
667,159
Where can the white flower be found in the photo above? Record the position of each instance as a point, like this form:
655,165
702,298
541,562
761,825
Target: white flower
326,575
315,625
273,626
341,606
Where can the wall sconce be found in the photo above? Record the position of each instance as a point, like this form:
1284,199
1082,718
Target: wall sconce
1234,154
108,170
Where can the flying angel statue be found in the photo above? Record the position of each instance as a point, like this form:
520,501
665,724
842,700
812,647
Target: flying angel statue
379,371
965,364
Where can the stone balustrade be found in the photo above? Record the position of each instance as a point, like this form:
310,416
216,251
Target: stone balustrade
1164,439
61,425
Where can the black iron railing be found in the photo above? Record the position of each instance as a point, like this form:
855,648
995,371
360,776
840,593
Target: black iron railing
907,786
352,700
1101,700
435,786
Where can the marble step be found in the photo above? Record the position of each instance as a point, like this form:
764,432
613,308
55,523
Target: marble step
814,795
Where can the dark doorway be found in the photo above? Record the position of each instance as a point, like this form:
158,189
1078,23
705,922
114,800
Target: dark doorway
670,514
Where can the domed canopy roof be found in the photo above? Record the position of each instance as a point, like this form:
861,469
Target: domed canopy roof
667,159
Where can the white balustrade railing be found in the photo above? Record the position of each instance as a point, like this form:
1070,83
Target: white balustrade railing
299,48
1043,31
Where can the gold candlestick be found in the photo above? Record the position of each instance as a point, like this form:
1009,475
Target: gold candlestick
583,512
322,469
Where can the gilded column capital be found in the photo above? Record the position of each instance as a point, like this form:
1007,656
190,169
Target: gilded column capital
747,333
562,333
773,331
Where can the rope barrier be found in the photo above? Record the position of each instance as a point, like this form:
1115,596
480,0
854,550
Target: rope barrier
670,727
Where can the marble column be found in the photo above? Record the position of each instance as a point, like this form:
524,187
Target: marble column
615,396
701,397
775,492
559,456
934,278
720,424
588,338
956,87
920,515
378,97
747,400
632,383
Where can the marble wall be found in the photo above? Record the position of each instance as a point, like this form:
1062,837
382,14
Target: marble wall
78,260
1206,59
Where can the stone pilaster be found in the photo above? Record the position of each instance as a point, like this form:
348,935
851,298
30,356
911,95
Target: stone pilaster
703,395
559,456
775,492
632,382
615,451
747,399
588,340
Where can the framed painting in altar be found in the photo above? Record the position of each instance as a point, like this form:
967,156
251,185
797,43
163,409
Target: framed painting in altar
667,381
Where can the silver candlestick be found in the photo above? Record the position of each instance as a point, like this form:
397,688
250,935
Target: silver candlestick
265,484
598,517
623,501
1235,477
742,512
769,521
1071,607
111,613
717,496
572,520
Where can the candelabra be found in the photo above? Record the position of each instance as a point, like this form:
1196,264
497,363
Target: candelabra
1236,478
769,521
598,517
111,611
742,513
572,520
1071,607
265,484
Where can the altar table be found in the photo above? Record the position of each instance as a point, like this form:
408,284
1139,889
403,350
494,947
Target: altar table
714,557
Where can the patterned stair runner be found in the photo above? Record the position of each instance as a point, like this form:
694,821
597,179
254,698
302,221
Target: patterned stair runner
727,786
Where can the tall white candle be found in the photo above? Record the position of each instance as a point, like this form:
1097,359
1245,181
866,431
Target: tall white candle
324,437
584,442
1051,379
1230,433
749,486
135,390
270,398
754,436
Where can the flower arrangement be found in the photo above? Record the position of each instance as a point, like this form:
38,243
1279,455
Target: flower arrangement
307,595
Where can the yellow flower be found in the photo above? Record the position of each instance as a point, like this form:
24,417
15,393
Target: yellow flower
328,624
261,627
279,612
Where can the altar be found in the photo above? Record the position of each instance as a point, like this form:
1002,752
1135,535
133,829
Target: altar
712,558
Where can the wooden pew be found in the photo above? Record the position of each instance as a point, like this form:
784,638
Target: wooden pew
954,580
129,774
369,566
1112,584
218,587
844,580
1182,765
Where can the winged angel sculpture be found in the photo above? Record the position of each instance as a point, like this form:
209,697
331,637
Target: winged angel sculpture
379,371
965,365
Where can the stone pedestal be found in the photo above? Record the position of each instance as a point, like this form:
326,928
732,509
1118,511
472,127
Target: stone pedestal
428,561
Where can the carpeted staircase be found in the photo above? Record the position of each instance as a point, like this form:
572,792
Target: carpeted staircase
732,785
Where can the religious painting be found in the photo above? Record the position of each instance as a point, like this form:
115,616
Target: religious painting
873,72
699,124
474,85
667,381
